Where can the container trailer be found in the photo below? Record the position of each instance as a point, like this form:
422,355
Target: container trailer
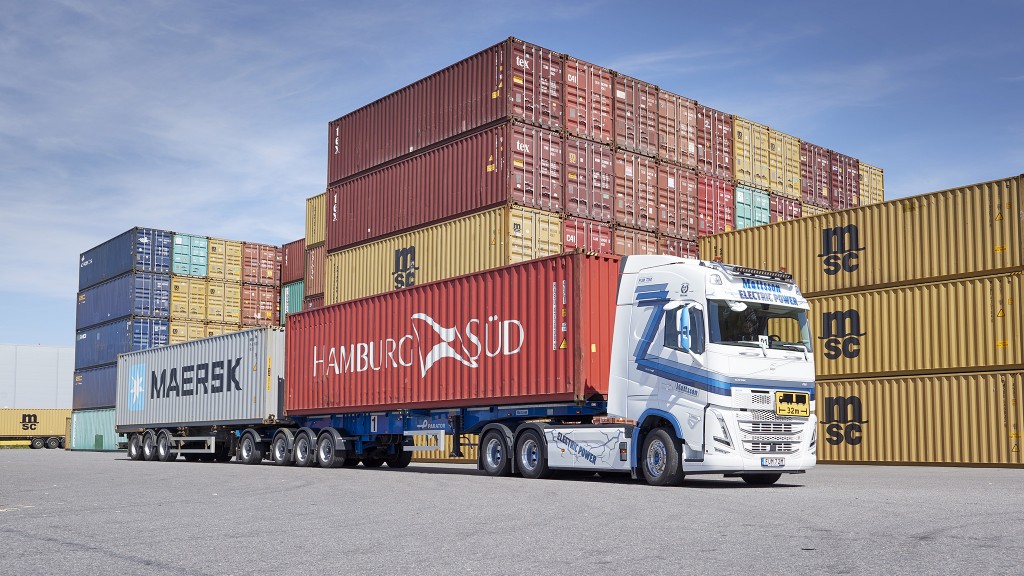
40,428
653,366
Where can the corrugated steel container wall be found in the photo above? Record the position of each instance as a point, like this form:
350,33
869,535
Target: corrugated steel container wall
506,163
225,260
784,164
636,115
21,422
815,175
188,298
679,247
261,305
460,246
197,290
94,388
313,302
636,190
589,179
190,255
716,208
784,208
813,210
291,299
750,153
511,80
845,181
230,379
184,330
101,344
138,250
714,142
950,419
954,326
677,129
589,99
963,232
677,201
587,235
872,185
533,332
316,220
133,294
630,242
315,265
753,207
293,261
179,297
216,300
94,430
470,447
261,264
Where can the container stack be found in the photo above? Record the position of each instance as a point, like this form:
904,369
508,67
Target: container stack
917,322
315,252
293,272
147,288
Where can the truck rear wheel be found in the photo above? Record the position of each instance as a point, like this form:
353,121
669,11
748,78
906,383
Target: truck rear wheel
530,457
760,479
163,447
304,450
249,451
328,454
279,451
52,443
37,443
373,461
149,446
660,459
135,447
400,459
494,454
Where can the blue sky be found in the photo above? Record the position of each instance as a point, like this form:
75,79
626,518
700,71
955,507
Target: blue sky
211,117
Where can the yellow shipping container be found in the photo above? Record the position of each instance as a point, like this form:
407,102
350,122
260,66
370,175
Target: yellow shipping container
225,260
949,419
179,297
469,448
464,245
316,220
750,153
25,423
784,164
872,185
967,325
197,288
812,210
185,331
959,233
215,301
219,328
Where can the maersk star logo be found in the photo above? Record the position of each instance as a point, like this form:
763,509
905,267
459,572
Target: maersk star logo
137,387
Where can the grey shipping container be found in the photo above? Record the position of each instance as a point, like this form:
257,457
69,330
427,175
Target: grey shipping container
234,379
139,250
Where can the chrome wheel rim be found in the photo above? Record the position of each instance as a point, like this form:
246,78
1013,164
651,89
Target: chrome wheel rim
656,456
495,453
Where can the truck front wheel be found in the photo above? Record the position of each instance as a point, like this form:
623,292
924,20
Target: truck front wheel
494,454
531,459
660,464
135,447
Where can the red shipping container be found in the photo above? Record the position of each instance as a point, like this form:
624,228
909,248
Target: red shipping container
636,115
716,208
312,302
510,80
815,175
589,179
845,181
714,142
506,163
293,262
261,305
314,277
677,201
630,242
783,208
677,129
587,235
589,99
539,331
261,264
636,190
678,247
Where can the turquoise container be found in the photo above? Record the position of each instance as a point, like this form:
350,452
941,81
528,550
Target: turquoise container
190,256
94,430
753,207
291,298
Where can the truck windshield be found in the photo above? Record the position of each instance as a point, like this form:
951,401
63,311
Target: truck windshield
742,323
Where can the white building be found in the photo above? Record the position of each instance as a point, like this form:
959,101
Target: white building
36,376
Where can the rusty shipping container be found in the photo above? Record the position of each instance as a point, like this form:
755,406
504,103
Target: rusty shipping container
815,175
636,190
872,185
488,239
714,142
845,181
677,201
261,264
314,278
630,242
512,80
507,163
589,100
948,419
679,247
784,164
261,305
293,261
589,179
677,129
313,302
750,153
587,235
784,208
636,115
958,233
316,220
716,206
532,332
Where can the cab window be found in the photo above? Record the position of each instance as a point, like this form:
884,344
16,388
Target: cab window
684,329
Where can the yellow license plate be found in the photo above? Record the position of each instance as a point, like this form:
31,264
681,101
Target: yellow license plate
792,404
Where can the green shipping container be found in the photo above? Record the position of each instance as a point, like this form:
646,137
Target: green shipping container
753,207
291,298
190,255
94,430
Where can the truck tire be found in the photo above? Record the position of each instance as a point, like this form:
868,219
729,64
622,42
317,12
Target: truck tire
37,443
531,459
495,457
305,451
249,451
400,459
223,452
164,453
52,443
373,461
351,462
659,459
760,479
135,447
327,454
149,446
279,451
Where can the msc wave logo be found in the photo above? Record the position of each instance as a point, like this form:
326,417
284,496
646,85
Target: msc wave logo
841,332
839,248
404,273
137,387
843,420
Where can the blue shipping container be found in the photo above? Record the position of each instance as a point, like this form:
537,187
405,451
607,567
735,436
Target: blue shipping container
133,294
100,345
94,388
138,250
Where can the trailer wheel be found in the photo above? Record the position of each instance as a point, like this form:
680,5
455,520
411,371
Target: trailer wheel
327,453
135,447
373,461
494,454
660,463
52,443
163,447
249,451
149,446
37,443
531,460
223,452
279,450
400,459
305,452
760,479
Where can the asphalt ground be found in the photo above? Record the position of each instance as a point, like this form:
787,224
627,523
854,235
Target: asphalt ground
100,513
